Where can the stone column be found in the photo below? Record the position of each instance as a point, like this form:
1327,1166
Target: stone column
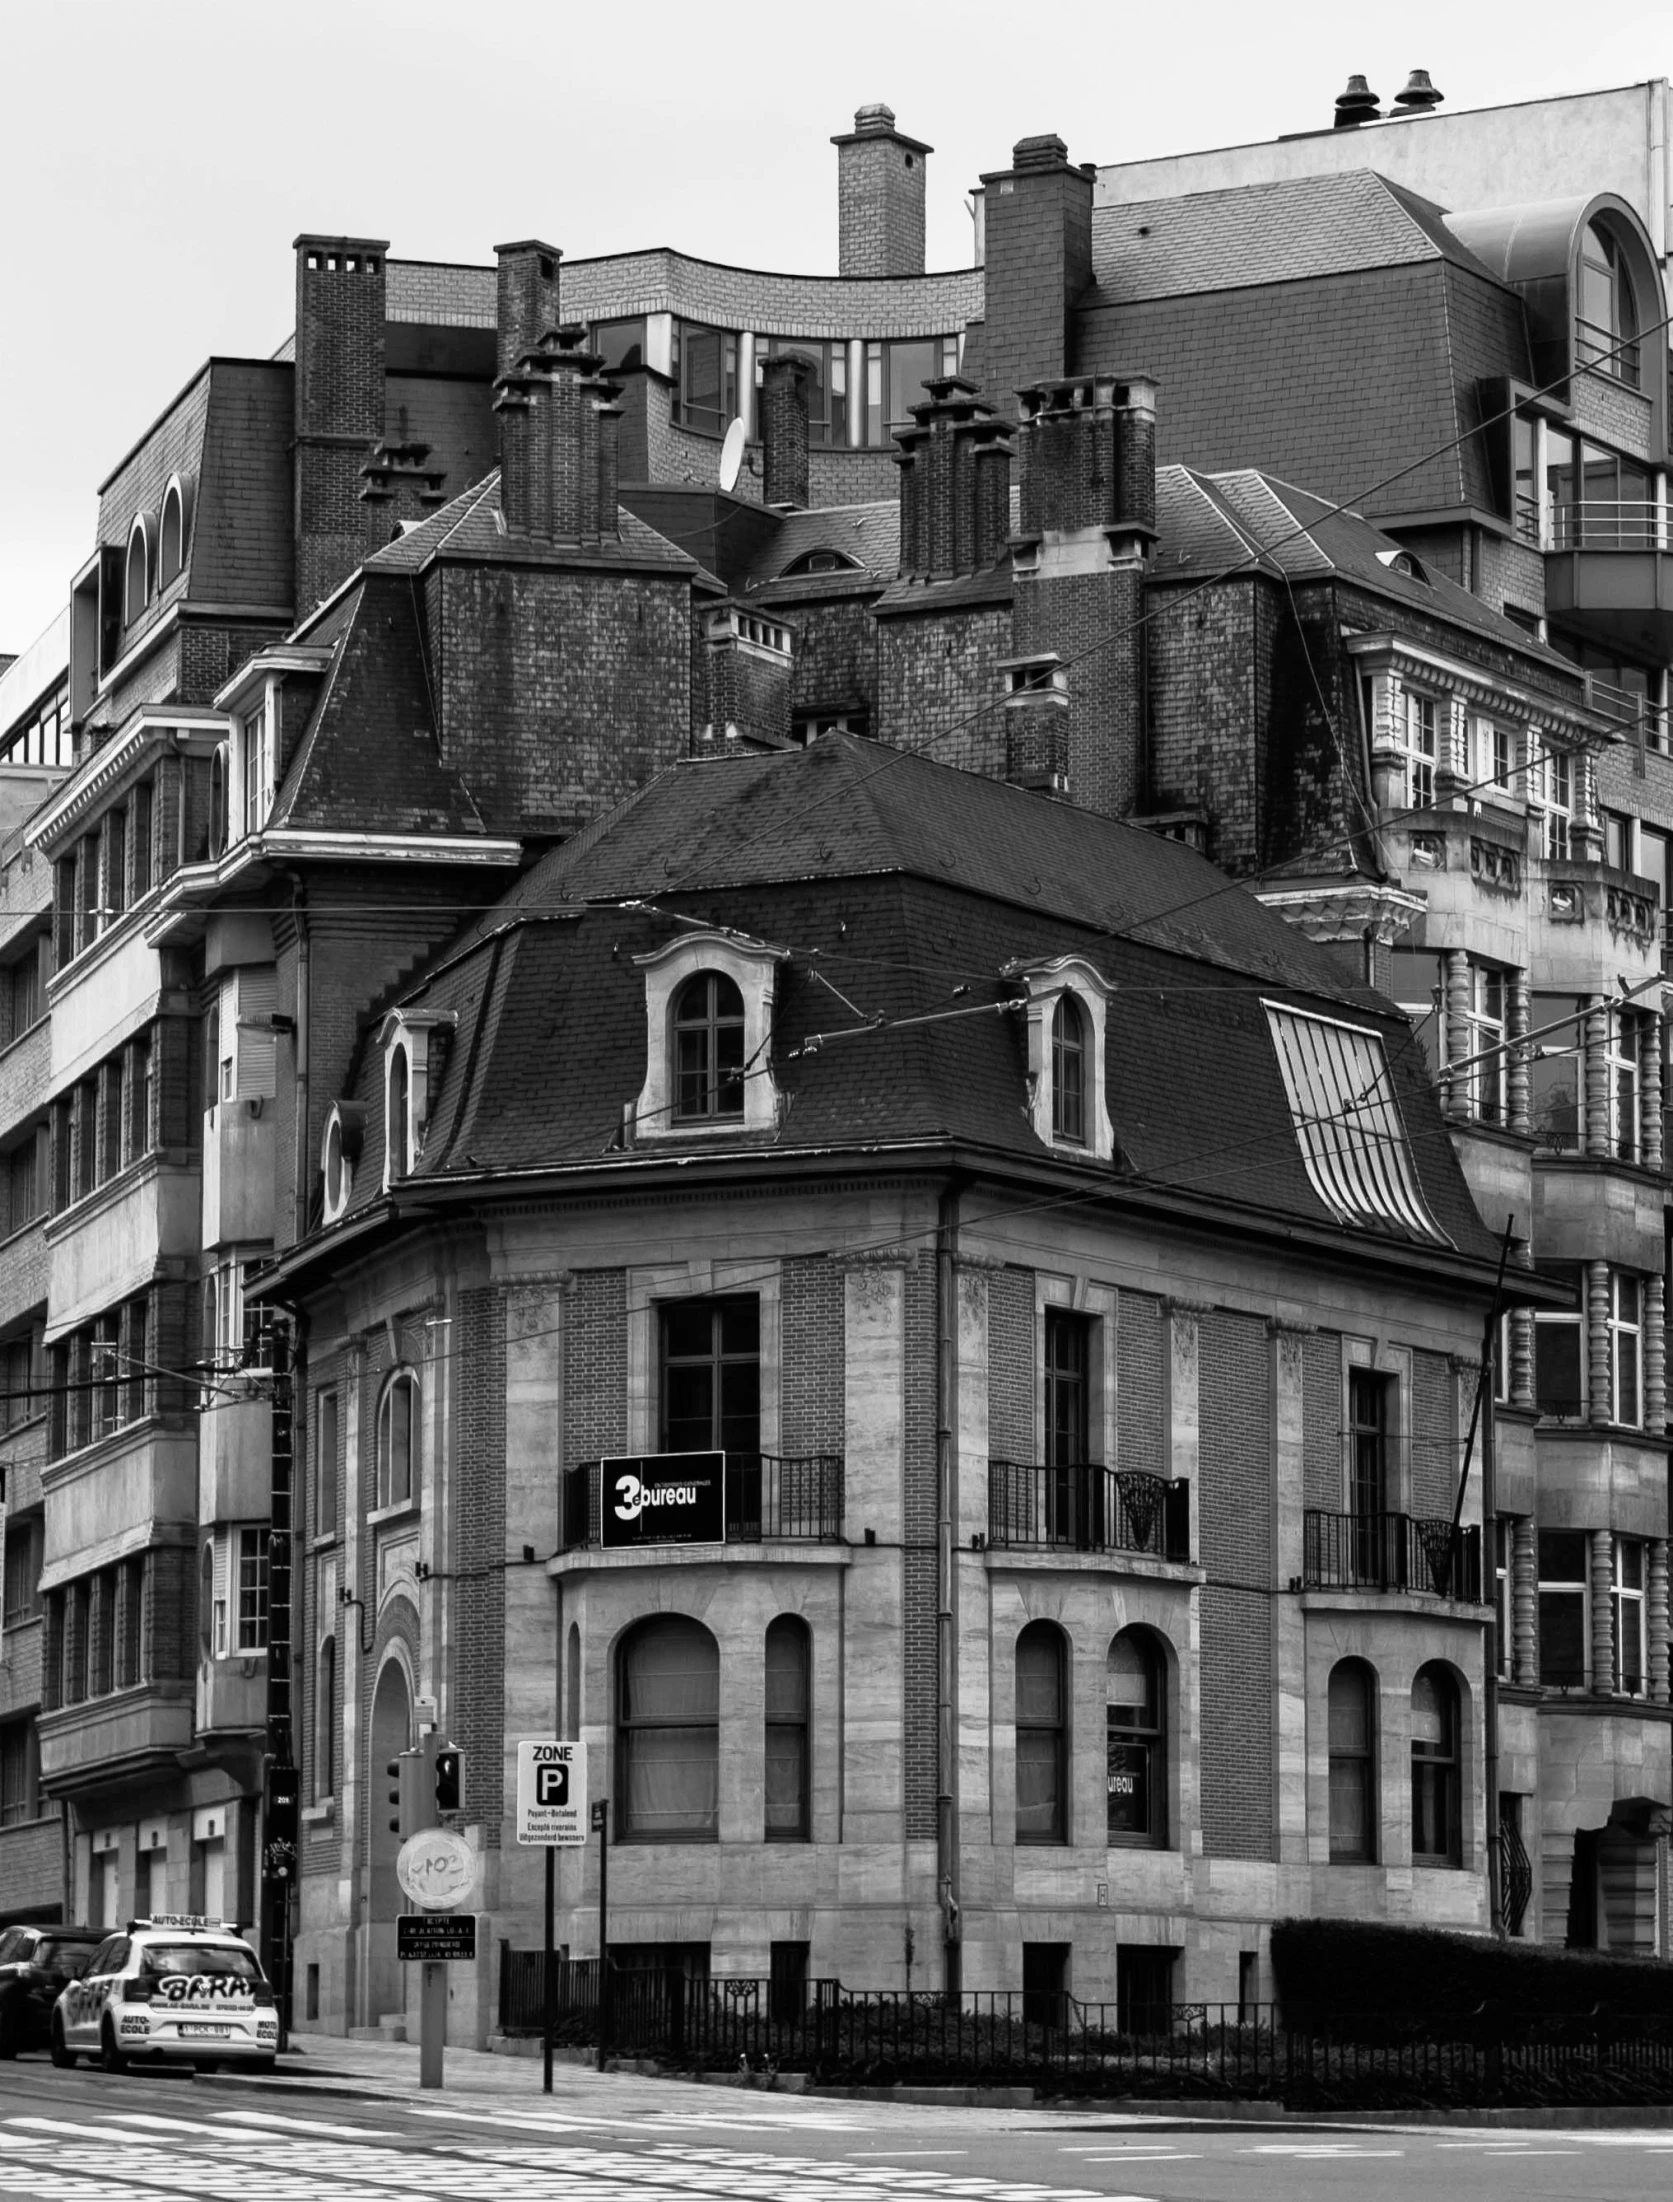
1522,1357
1594,1090
1649,1094
1517,1080
874,1442
1455,1092
1595,1329
1603,1627
1657,1618
1655,1355
1289,1424
1524,1602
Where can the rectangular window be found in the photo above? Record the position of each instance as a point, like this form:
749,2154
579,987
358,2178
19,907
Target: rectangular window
620,344
1489,995
1550,797
324,1523
140,838
130,1618
787,1992
1525,486
23,1571
1068,1341
711,1375
24,999
110,1143
826,385
1626,1323
19,1773
252,1590
1504,1544
1417,984
1559,1348
87,1136
1565,1621
1625,1043
1495,758
254,760
895,377
706,373
1557,1069
139,1101
1627,1597
116,865
1617,840
1418,742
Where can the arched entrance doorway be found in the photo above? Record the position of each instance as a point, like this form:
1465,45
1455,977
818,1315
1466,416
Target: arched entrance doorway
391,1733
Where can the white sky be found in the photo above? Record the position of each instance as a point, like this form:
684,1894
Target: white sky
158,156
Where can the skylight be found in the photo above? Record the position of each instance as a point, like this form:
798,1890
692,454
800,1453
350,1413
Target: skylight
1347,1122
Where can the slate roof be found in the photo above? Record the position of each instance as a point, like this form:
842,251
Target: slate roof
900,880
1248,234
469,527
869,534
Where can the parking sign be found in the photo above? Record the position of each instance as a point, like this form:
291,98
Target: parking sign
551,1792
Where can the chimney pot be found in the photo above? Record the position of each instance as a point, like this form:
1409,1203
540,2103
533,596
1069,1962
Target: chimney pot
1356,105
1420,96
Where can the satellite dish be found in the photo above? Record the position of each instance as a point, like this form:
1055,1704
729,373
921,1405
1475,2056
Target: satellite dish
732,455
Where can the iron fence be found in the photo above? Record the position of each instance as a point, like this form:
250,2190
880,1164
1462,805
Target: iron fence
793,1497
1061,2045
1391,1552
1085,1507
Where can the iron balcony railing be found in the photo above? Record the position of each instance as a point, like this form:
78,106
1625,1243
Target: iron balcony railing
1087,1508
1602,523
1391,1552
1642,720
792,1498
1607,352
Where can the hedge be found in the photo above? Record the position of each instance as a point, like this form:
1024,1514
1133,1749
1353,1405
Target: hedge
1336,1970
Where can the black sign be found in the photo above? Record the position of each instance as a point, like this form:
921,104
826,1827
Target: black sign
662,1498
433,1937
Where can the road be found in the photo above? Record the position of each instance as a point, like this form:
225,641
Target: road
84,2137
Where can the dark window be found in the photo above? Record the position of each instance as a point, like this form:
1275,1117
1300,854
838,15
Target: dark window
668,1737
1606,323
1556,1073
1369,1402
788,1694
787,1992
1134,1741
325,1720
1559,1348
1068,1340
1564,1621
708,1049
1045,1984
1042,1736
397,1431
706,371
711,1375
399,1108
1415,982
1435,1816
19,1773
1352,1787
23,1571
620,344
1068,1071
324,1523
1144,1988
825,386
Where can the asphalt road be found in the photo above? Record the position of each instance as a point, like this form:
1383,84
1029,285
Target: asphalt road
84,2137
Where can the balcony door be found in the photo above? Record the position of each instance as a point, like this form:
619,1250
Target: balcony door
1369,1421
1068,1428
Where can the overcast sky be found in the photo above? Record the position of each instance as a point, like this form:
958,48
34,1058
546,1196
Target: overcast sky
158,156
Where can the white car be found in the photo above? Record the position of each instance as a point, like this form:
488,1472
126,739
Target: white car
174,1986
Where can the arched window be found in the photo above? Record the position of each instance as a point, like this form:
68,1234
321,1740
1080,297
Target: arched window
1606,333
137,590
398,1439
398,1113
325,1720
1436,1833
708,1048
1042,1736
668,1733
787,1758
1068,1071
1353,1818
1135,1740
171,541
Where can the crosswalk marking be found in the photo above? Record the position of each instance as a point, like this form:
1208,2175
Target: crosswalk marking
282,2124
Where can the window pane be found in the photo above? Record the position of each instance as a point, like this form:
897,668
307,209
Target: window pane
671,1672
1558,1385
673,1781
1037,1796
1129,1784
1039,1678
1562,1638
1350,1711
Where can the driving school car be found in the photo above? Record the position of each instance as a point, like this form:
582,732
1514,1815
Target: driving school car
173,1986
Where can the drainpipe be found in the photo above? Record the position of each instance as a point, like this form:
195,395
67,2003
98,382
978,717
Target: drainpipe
299,1166
946,1670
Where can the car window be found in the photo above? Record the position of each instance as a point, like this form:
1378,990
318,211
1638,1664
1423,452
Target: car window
225,1960
110,1954
72,1958
14,1945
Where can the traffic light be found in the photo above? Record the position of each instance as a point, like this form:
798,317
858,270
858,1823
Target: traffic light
412,1807
450,1778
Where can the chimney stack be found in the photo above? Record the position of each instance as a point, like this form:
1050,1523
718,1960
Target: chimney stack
880,196
339,403
558,431
398,489
1038,228
528,298
784,466
955,483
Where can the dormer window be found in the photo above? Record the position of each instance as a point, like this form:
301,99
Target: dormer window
709,1012
820,561
1067,1103
1606,317
411,1071
339,1152
171,545
255,766
398,1115
137,590
708,1049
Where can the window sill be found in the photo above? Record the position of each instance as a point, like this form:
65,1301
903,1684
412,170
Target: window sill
379,1517
321,1814
19,1038
325,1542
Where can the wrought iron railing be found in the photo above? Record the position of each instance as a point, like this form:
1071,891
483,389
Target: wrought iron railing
1516,1877
1132,2046
1088,1508
1391,1552
1605,523
1641,719
794,1498
1607,352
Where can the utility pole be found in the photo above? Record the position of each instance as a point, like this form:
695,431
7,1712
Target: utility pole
281,1788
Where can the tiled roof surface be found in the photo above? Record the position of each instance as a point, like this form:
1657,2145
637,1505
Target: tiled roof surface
470,526
869,534
903,881
1281,232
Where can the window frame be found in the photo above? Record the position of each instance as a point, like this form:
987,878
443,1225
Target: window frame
1047,983
1547,1322
1068,1071
1148,1736
1355,1760
1550,796
139,538
1487,1023
718,1360
718,1097
1625,1332
249,1556
628,1724
1629,1606
1624,1042
752,966
1054,1832
402,1379
175,496
792,1730
1576,1588
1437,1786
1420,727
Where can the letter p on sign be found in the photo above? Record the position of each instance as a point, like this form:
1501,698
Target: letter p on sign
551,1784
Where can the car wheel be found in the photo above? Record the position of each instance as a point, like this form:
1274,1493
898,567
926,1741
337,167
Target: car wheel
111,2058
61,2053
207,2064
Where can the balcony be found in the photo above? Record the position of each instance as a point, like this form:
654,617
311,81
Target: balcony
122,1733
232,1694
1426,1557
1609,573
1087,1508
771,1498
1640,720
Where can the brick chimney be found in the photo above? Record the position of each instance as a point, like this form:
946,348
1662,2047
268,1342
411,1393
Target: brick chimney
559,424
528,298
1038,228
398,489
955,483
339,403
784,476
1075,712
880,196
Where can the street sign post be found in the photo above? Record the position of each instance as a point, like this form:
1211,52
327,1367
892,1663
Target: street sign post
601,1821
435,1938
551,1812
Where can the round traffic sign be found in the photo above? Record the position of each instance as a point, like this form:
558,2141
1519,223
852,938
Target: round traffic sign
438,1869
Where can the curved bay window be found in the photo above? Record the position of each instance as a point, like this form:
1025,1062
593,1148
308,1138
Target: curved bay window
1042,1736
789,1664
708,1049
1068,1071
398,1440
1606,323
1436,1832
668,1733
1352,1809
1134,1741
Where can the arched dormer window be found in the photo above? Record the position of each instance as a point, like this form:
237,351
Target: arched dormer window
136,592
412,1042
171,535
398,1426
339,1152
820,561
398,1114
1067,1050
1606,320
708,1049
708,1038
